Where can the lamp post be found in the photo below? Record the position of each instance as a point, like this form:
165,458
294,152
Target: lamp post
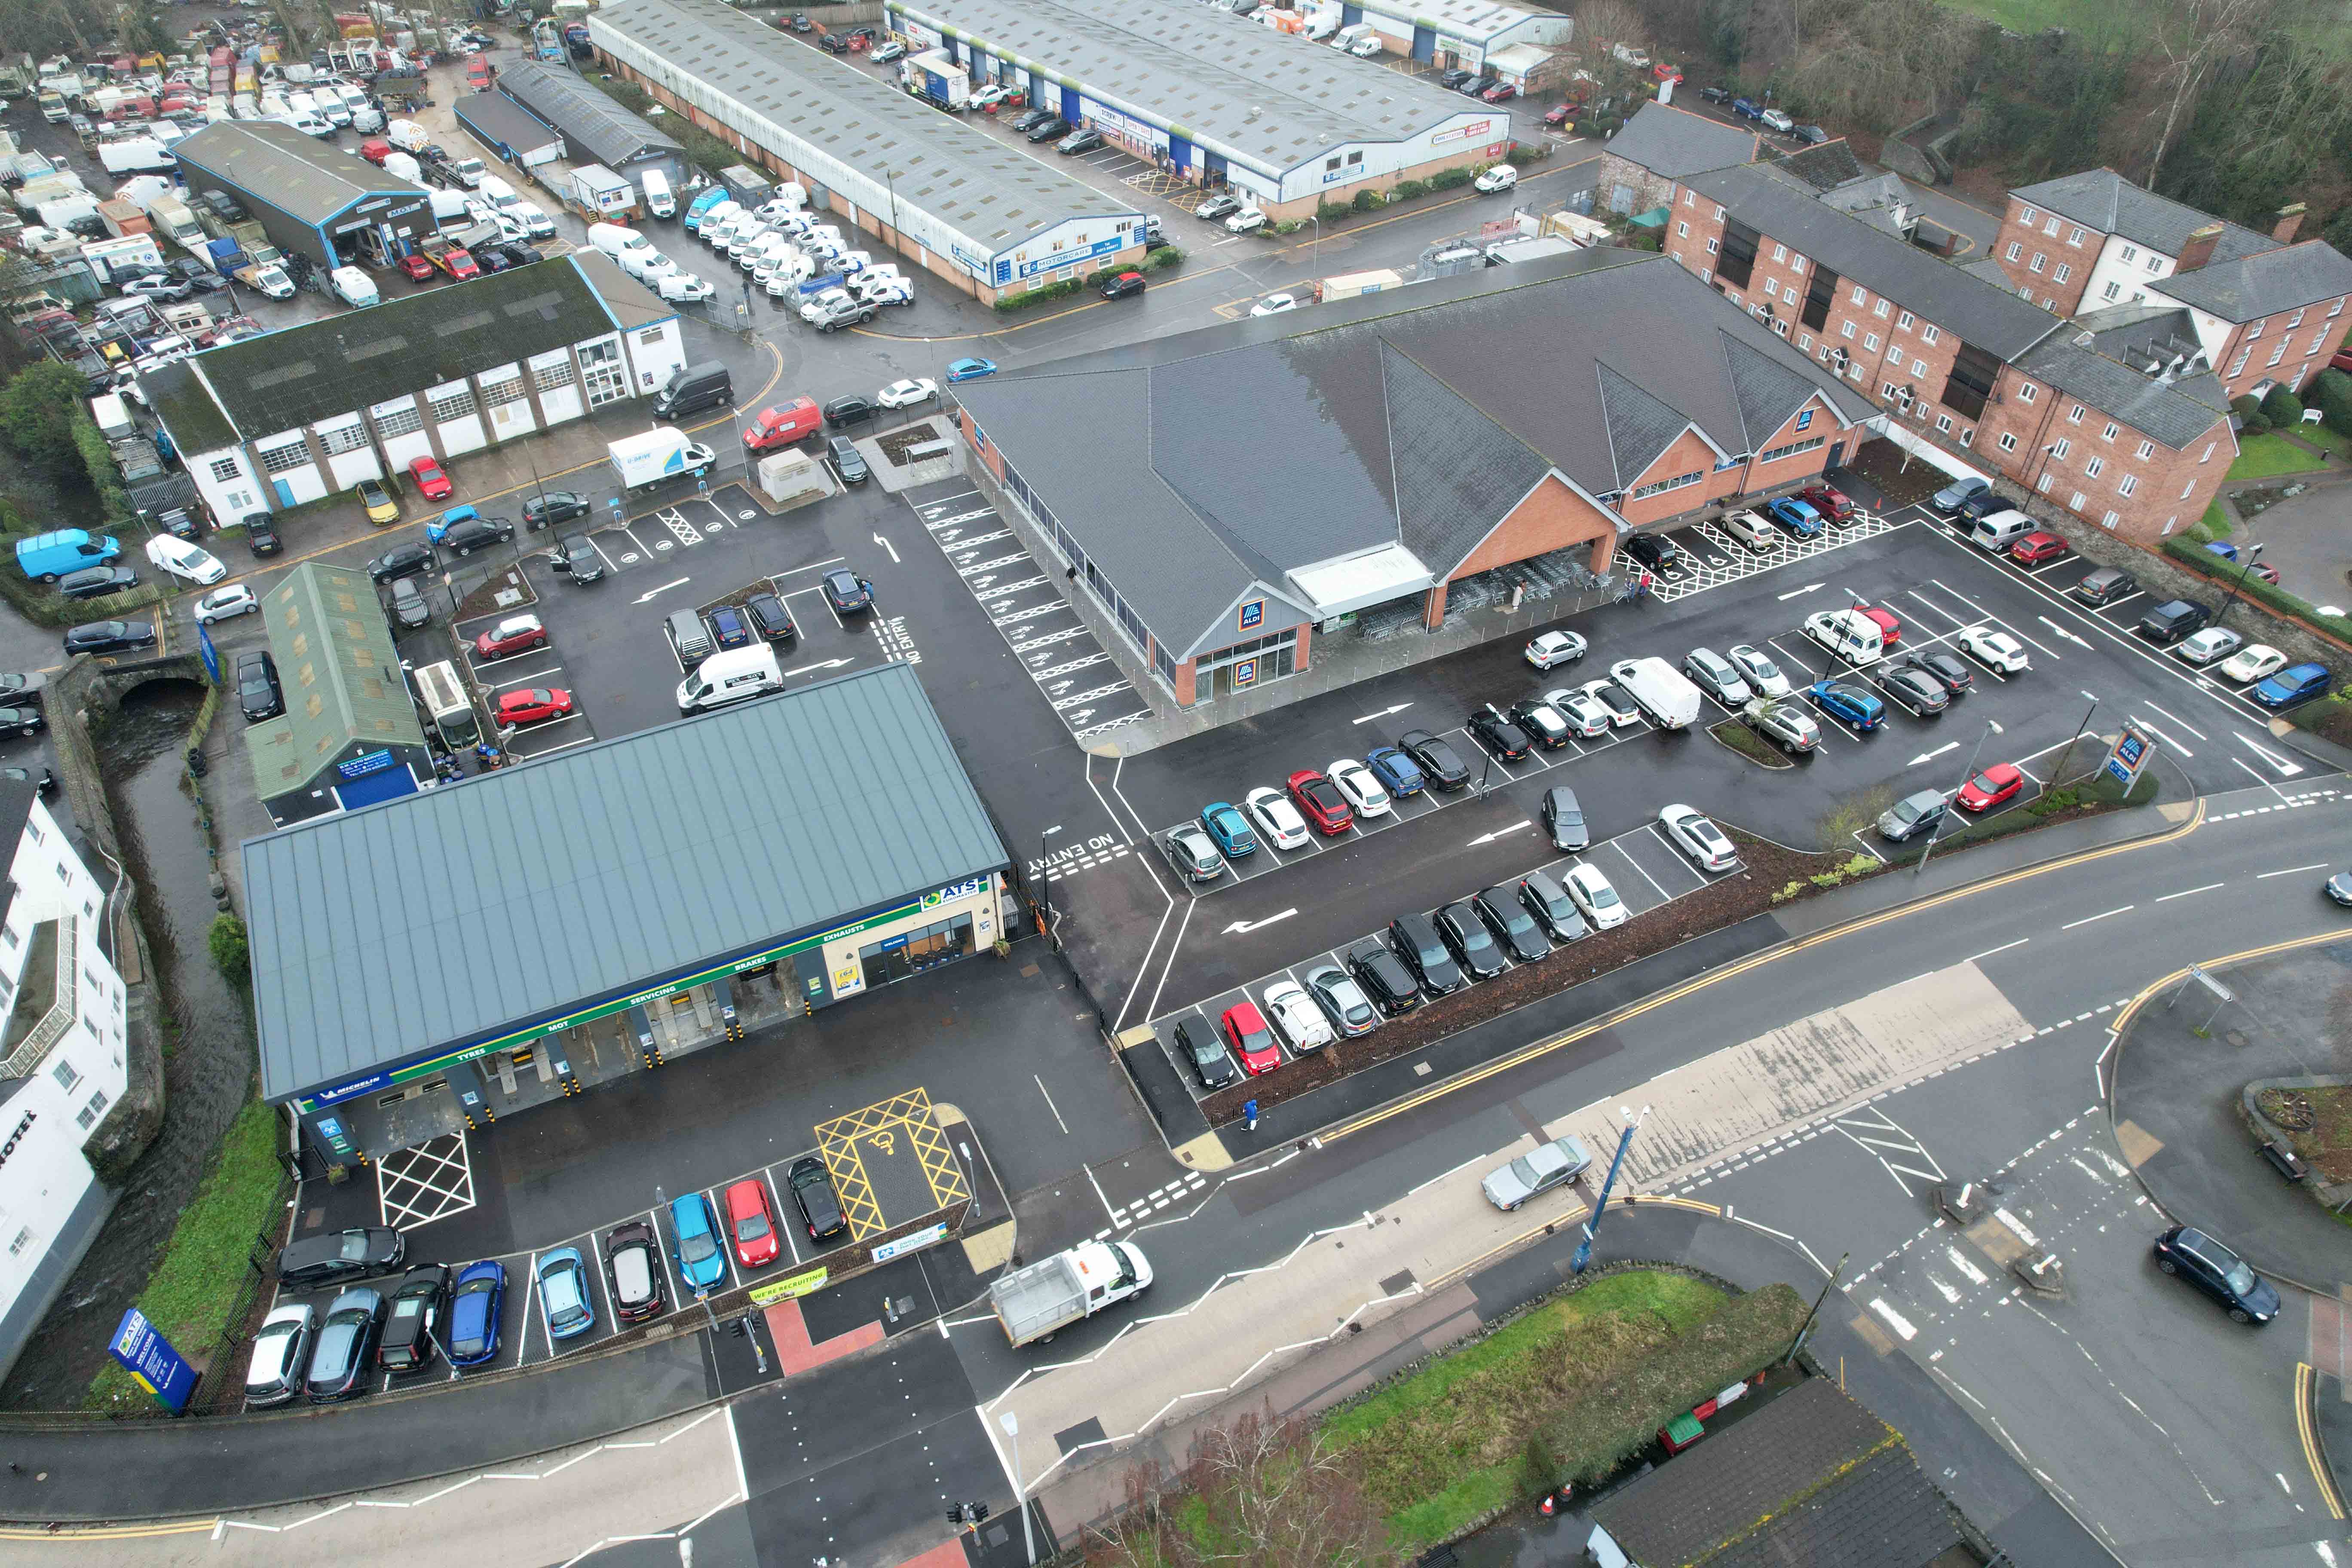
2066,755
1601,1208
2252,552
1045,883
890,180
1316,262
1966,774
1012,1425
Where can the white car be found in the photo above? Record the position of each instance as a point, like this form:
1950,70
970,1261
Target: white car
1623,713
1586,716
906,393
1750,529
1755,667
1501,177
1695,835
684,288
1249,220
851,262
1778,120
1354,781
1276,819
2252,662
2203,647
220,604
1999,649
1294,1013
181,559
784,285
1594,896
1274,305
1555,648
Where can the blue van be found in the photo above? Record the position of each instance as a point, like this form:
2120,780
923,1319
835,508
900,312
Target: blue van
46,557
703,203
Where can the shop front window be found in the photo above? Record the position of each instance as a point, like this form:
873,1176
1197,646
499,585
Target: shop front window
911,952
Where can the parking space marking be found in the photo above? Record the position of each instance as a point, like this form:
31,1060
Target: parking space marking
1743,562
784,1225
530,679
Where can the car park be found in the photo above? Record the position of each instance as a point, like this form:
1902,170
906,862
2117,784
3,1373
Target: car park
1750,529
1053,128
282,1355
1546,899
1466,938
1415,941
750,1223
474,1307
1844,699
1624,713
633,1271
1536,1172
96,582
513,634
1276,819
2202,649
1997,650
1794,515
1913,690
701,1262
2037,547
2252,662
2173,620
1988,789
1211,1063
1690,831
258,695
563,1297
1384,979
1396,770
1595,898
1947,670
430,481
1541,722
2189,1254
1295,1017
342,1354
2297,683
1320,799
1228,830
1656,552
822,1215
1358,787
532,705
1439,763
310,1261
1499,734
769,618
728,629
847,592
1715,676
1830,502
1078,142
1586,716
1563,819
1192,852
1514,925
1551,649
416,1320
1250,1039
2104,586
187,561
1755,667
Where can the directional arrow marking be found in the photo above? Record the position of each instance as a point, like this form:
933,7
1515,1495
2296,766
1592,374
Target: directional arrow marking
1244,926
1797,593
888,546
2062,631
811,668
1931,756
1384,713
1499,832
664,588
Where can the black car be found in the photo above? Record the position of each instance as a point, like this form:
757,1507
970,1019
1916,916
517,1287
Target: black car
108,636
1030,120
1052,129
1654,550
1553,909
1205,1049
316,1260
1078,141
833,43
851,410
1384,979
1947,670
2172,621
769,618
1414,939
411,1329
175,522
1716,94
2107,586
1564,818
847,462
258,691
812,1186
1541,722
469,534
728,629
1513,923
400,561
261,534
799,24
847,592
574,557
1452,80
21,688
633,1268
96,582
1465,937
1476,86
1980,506
1122,285
555,506
2218,1272
491,259
22,721
408,609
1440,762
341,1360
1915,692
1499,734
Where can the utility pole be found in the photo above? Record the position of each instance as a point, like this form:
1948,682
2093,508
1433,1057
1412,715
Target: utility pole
1966,774
2252,552
1045,882
1601,1209
2067,755
1012,1425
1815,1311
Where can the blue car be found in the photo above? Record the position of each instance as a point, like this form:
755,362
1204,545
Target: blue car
1957,494
1744,107
474,1314
563,1294
969,369
701,1262
2295,683
1229,827
441,525
1843,700
1398,773
1796,516
2227,552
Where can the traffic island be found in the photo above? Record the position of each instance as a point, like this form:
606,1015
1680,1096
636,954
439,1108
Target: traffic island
1735,736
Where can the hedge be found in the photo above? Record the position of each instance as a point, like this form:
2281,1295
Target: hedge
2248,410
1012,302
1450,179
2282,409
2332,395
105,478
1623,1412
1405,190
2189,550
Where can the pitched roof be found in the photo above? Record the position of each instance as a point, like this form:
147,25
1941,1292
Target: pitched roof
340,674
2286,279
1785,209
1825,165
591,121
2176,412
184,404
1675,142
862,803
2104,200
498,120
1419,417
301,174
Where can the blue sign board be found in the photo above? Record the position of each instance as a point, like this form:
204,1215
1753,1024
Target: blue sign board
2131,754
212,655
1253,614
360,767
149,1358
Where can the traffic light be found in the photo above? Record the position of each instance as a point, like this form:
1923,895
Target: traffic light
980,1514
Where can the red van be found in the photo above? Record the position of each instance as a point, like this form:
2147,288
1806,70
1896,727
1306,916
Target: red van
376,149
783,425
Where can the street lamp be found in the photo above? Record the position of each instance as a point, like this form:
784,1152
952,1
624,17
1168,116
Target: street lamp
1012,1425
1966,774
2068,754
1045,882
2251,553
1600,1207
1317,219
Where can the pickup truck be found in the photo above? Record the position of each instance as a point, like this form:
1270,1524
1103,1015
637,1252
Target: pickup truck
448,258
835,308
1037,1302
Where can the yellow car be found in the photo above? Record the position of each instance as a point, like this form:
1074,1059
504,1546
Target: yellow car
381,508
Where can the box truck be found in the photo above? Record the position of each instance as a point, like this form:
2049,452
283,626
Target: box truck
1037,1302
655,456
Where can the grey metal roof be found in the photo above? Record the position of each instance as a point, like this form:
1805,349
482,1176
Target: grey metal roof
1205,70
996,195
2176,412
2105,200
498,120
1417,415
340,672
1675,142
462,912
266,159
591,121
1785,209
2262,285
1472,20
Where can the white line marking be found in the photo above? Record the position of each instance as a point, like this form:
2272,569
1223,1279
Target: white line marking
2291,870
2072,924
2186,891
1988,952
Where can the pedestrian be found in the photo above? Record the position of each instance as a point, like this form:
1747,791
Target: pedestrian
1249,1113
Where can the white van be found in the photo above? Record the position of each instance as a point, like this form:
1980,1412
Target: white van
309,124
1346,35
1322,26
731,676
407,136
714,217
1849,634
302,103
496,191
2002,529
659,199
616,242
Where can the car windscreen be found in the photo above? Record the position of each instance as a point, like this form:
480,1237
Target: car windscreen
269,1351
1602,895
1524,1170
696,1247
752,1227
1514,916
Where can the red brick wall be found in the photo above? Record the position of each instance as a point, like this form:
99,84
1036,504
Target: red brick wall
2158,504
1552,517
2079,254
1686,454
1798,467
2308,342
988,453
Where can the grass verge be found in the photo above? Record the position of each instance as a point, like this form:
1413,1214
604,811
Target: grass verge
2217,520
2269,454
200,1284
1748,743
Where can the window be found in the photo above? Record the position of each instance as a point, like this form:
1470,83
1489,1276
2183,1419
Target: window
1796,262
507,390
2154,264
2063,272
2127,484
2279,353
1805,341
1968,437
550,376
2110,520
2112,290
2060,447
1870,343
337,439
448,405
1682,231
2040,262
1781,254
1931,334
2043,484
226,470
2027,392
1847,329
2208,451
2094,467
2256,330
1772,288
403,420
2297,320
2028,216
2008,441
2147,450
1855,370
2186,488
1888,390
2050,227
1712,247
2109,433
1690,198
1677,482
278,460
2235,366
2131,253
24,1239
1944,424
1718,215
2073,236
1918,367
67,1080
2314,348
1780,327
1879,309
1330,163
1860,296
1903,322
1740,244
2337,309
2015,250
90,1114
1774,454
2076,504
2075,414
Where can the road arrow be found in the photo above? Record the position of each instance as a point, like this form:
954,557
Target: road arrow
2286,769
1799,592
811,668
1246,926
1499,832
653,593
1382,714
1931,756
1995,726
2062,631
888,546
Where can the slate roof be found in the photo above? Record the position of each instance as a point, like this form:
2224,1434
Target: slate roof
185,405
1235,454
2104,200
1785,209
1249,88
2286,279
2176,412
1675,142
341,675
1825,165
592,123
859,803
995,195
498,121
272,161
1811,1478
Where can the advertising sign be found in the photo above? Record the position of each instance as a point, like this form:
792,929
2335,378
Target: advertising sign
786,1289
915,1242
1474,131
211,654
149,1359
359,767
2132,752
1253,614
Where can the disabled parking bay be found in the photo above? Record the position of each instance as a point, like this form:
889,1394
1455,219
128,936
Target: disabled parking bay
891,1164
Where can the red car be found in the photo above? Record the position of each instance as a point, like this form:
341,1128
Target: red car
1501,92
512,635
2266,572
1557,115
1890,630
1320,799
1252,1041
533,707
2037,547
1990,787
1827,500
419,270
431,482
751,1223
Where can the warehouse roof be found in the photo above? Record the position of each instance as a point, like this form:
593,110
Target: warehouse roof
850,797
340,674
1471,20
499,121
2262,284
1242,453
300,174
1675,142
591,121
994,194
2104,200
1211,73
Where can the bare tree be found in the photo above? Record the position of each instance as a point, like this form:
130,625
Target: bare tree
2191,36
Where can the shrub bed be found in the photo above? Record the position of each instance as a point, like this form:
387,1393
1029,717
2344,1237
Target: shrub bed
1749,744
1450,179
1008,304
2189,551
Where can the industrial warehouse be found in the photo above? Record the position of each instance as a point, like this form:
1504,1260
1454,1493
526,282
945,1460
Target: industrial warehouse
312,199
951,198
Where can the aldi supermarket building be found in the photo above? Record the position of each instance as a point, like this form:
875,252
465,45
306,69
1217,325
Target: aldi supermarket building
707,878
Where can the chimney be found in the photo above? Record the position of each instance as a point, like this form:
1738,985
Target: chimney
2289,219
2200,248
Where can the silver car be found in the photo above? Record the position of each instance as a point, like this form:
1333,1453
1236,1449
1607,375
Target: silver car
1715,675
1548,1166
1787,725
1757,668
1914,814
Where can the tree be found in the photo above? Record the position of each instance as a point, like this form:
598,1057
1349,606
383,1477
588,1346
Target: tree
37,411
2191,35
143,30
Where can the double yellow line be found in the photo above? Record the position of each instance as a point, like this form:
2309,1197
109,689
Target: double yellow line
2307,1390
71,1536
